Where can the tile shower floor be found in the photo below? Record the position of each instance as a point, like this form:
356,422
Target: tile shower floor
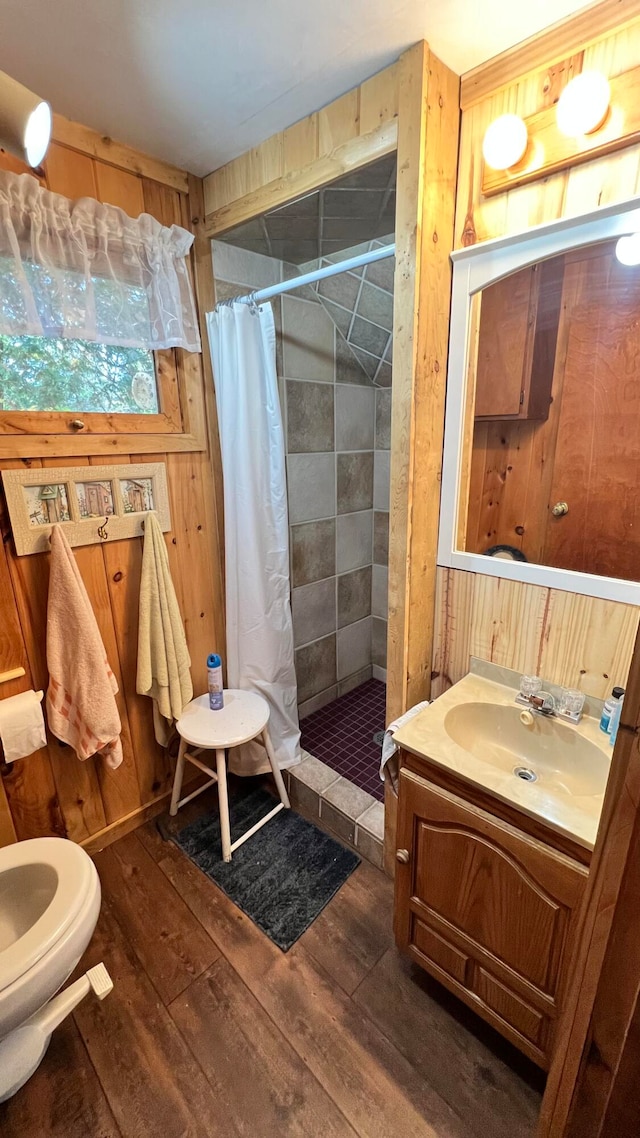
346,735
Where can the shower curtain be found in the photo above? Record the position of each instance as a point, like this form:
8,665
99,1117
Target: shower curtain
259,626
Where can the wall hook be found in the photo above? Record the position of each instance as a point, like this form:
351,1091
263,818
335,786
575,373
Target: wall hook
102,530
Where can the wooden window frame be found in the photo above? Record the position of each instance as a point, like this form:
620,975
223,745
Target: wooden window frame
179,426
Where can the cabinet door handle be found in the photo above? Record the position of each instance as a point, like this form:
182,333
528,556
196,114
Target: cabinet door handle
402,856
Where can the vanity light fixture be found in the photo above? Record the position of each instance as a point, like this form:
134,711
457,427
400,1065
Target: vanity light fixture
628,249
583,105
505,142
25,121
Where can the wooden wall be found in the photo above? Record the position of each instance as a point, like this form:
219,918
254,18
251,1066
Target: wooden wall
276,165
52,792
570,639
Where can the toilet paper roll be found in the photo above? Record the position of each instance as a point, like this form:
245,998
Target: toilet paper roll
22,728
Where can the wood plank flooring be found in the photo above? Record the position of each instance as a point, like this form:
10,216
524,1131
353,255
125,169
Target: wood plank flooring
212,1031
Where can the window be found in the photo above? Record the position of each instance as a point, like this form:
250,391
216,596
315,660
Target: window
98,329
42,374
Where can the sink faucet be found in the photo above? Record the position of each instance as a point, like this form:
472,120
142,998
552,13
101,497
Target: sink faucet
568,706
542,702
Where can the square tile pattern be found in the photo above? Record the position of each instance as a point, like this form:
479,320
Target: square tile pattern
356,207
342,735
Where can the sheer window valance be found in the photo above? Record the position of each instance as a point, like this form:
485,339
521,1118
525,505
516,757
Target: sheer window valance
87,271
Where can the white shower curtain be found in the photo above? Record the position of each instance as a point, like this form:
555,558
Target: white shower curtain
259,626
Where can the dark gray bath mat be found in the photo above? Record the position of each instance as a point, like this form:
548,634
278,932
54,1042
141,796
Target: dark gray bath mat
282,877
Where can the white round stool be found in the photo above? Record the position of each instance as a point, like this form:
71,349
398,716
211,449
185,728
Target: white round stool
244,717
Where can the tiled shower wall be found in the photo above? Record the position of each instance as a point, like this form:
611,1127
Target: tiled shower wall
360,302
380,570
335,478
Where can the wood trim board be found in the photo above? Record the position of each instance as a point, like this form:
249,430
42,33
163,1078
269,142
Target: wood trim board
343,159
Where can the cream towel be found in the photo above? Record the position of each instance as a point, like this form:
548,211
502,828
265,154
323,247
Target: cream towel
81,706
388,760
163,656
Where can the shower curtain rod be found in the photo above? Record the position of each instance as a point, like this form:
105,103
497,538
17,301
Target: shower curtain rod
319,274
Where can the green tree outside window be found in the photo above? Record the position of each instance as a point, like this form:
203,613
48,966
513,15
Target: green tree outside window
39,373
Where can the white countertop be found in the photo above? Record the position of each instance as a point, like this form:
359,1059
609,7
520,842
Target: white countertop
568,811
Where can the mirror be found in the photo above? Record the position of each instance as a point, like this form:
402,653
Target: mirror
541,479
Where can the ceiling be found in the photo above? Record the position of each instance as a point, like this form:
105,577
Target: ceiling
197,82
353,209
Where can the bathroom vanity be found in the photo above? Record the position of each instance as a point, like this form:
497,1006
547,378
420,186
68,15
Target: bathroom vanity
498,813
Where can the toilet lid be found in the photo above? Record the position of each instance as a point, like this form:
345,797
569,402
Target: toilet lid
75,874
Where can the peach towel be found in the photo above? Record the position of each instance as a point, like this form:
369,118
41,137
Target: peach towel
81,705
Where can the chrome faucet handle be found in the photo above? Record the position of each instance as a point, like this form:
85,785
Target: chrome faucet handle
571,705
530,686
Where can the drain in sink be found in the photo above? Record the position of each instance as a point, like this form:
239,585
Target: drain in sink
525,773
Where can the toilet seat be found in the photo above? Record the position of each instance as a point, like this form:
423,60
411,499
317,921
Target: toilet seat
75,874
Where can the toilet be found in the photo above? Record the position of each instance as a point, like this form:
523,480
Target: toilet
49,906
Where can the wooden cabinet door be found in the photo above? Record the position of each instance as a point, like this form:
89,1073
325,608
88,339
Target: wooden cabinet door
487,909
519,318
504,344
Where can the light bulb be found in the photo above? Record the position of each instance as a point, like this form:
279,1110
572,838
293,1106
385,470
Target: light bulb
583,105
628,249
505,142
37,134
25,121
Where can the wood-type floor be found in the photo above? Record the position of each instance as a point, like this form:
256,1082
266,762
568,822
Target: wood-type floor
212,1031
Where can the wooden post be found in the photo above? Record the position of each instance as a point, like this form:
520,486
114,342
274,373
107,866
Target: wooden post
206,300
599,1032
428,125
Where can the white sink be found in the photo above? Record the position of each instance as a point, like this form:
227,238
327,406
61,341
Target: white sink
545,750
545,767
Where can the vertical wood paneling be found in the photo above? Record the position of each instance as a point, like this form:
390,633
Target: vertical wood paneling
507,621
339,121
569,639
379,98
118,187
52,792
12,655
300,143
579,642
266,162
70,173
587,642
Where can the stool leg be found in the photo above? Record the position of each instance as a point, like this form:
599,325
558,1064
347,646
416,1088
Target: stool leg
223,801
177,779
277,773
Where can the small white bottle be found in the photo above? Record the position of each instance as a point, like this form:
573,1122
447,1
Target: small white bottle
214,677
